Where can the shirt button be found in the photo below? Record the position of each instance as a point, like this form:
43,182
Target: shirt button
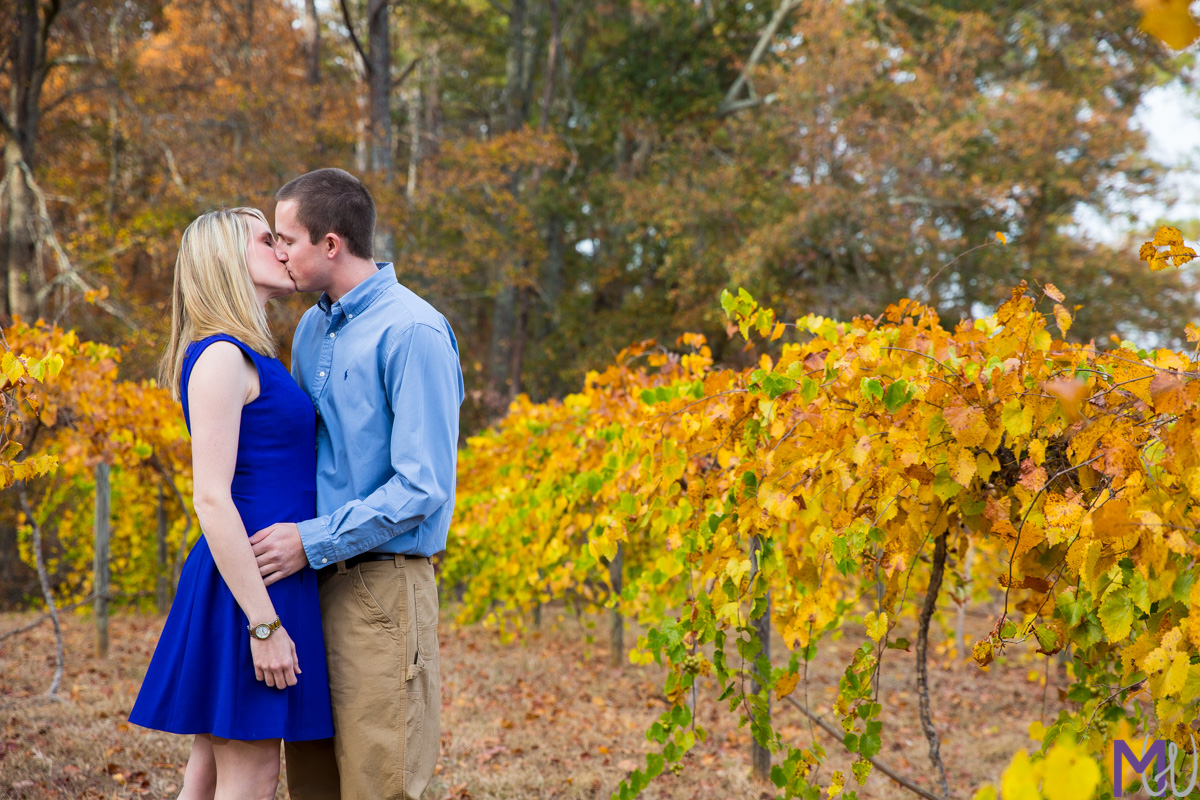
324,560
333,336
350,316
320,374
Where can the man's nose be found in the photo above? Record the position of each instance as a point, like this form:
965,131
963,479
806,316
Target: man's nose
281,255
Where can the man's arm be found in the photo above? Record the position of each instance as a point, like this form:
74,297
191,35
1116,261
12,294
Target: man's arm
424,384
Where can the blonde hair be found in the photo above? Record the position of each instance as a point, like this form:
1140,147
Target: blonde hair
213,291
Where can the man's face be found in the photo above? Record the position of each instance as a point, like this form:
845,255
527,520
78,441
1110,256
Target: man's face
306,262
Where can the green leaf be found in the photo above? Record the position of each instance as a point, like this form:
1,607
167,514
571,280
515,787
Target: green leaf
1048,639
944,487
809,389
872,389
869,745
1116,615
776,384
896,396
1139,592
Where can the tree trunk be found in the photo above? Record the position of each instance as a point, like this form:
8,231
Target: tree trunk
515,101
760,756
312,43
379,50
415,144
616,573
504,318
19,125
100,580
18,239
517,356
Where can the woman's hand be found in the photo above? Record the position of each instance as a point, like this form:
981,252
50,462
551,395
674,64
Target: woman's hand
275,659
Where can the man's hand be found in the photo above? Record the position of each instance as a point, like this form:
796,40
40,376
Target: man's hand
279,551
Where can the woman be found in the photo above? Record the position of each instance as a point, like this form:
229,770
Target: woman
228,665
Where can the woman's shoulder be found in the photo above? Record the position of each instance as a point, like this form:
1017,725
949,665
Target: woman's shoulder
198,346
221,346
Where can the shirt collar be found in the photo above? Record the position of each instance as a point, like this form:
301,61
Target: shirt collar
357,299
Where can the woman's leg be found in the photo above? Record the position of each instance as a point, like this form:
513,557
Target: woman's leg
246,770
200,775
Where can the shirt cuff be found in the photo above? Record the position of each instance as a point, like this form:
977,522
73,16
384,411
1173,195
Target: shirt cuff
314,536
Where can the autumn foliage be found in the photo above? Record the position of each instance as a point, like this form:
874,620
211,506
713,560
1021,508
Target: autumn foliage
861,459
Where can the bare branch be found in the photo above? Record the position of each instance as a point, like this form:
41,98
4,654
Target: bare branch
44,580
407,71
732,97
503,10
840,735
362,54
65,267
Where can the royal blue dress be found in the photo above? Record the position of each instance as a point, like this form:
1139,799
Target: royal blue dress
201,677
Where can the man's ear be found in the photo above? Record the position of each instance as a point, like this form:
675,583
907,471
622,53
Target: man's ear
333,245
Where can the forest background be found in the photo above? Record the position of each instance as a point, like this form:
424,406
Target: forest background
562,178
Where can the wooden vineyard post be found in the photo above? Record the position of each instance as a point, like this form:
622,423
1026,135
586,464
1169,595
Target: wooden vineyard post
164,580
100,566
617,638
760,756
537,604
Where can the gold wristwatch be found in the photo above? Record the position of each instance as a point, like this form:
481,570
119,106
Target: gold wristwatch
264,629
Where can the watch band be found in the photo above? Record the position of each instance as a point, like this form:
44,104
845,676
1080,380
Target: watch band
271,627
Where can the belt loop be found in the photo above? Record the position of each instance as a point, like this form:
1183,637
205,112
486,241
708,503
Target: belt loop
341,567
398,560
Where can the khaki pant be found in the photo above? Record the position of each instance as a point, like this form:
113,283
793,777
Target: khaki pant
380,623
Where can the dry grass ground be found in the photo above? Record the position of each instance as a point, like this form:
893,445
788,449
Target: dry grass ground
547,718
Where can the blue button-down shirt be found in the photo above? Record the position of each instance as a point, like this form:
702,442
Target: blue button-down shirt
381,366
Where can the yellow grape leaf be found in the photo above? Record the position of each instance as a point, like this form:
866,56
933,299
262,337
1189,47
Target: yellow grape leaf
1000,237
1019,781
983,652
786,685
1070,774
1166,392
876,626
968,423
778,330
1191,684
1051,291
1177,253
1192,332
836,783
1017,418
1170,21
1177,675
1062,318
963,468
1155,661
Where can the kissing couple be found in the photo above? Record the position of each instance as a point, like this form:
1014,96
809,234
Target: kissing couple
308,610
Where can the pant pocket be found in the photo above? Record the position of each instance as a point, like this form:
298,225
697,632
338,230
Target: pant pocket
425,600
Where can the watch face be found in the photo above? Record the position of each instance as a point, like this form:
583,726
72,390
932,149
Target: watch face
262,631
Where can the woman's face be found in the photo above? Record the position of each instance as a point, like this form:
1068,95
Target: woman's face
268,274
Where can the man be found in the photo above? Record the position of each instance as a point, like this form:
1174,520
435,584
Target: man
381,366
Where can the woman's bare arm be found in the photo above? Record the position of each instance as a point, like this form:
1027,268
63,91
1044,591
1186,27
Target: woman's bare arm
222,381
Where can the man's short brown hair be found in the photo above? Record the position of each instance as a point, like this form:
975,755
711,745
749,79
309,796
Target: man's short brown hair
333,201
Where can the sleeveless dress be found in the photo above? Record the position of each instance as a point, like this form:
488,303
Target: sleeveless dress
201,677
